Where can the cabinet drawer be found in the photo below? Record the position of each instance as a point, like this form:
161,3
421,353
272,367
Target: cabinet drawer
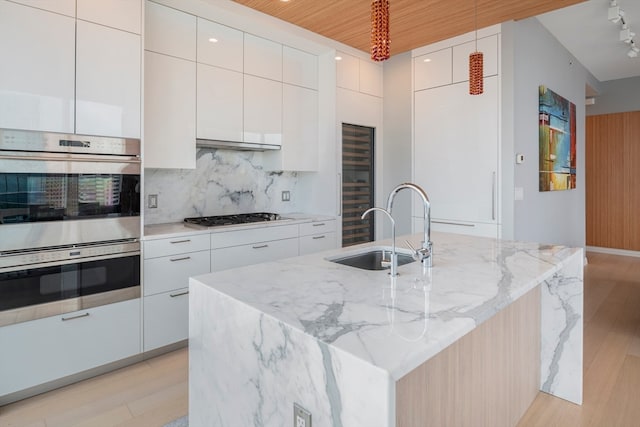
317,227
255,235
47,349
166,318
255,253
317,243
173,272
177,245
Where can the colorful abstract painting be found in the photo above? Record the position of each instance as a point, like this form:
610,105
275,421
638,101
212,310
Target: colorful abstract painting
557,129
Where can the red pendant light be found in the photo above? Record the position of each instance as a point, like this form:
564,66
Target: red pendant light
380,30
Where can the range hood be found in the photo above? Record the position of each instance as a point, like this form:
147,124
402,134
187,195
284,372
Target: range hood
233,145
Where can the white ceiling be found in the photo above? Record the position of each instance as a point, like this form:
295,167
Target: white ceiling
594,40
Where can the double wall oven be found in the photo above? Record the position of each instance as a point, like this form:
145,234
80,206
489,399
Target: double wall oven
69,223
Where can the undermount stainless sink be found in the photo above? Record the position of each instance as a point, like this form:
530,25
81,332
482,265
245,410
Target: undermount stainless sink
371,258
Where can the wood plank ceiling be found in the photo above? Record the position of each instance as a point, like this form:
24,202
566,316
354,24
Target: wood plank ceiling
413,23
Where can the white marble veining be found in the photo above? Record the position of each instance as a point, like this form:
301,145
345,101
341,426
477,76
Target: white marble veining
223,182
336,339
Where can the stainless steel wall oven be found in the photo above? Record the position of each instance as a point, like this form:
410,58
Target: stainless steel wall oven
69,223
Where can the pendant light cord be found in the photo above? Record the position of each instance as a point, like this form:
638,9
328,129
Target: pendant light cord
476,21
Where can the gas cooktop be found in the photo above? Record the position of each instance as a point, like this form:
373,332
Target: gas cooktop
244,218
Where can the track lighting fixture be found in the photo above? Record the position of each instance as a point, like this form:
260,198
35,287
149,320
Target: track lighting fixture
616,15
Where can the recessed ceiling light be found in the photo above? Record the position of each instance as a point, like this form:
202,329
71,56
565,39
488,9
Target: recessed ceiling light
213,40
338,58
427,60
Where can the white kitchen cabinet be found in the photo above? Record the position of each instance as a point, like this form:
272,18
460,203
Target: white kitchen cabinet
456,152
262,57
317,236
299,150
489,48
170,112
108,64
169,31
262,110
166,318
299,68
220,45
37,79
48,349
230,249
124,15
172,272
433,69
64,7
219,104
168,264
371,78
348,72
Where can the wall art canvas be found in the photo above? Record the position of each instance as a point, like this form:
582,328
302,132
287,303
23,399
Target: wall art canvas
557,139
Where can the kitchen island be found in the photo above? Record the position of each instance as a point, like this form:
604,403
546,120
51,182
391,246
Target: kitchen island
469,341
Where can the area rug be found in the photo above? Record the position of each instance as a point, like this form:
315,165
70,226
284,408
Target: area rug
180,422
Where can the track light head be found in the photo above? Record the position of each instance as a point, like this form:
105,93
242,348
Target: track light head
632,53
615,14
626,35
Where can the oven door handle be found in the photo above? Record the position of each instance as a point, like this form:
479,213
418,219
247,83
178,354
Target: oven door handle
75,158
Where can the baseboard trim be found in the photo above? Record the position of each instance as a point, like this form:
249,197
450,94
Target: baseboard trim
613,251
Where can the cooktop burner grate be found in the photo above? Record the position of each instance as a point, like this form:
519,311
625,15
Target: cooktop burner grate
245,218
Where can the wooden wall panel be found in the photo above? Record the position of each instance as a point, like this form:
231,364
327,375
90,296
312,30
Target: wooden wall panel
487,378
613,180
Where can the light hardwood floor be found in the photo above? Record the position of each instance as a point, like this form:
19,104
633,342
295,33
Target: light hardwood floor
154,392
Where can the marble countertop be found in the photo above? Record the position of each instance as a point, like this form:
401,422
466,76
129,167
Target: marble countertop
179,229
395,325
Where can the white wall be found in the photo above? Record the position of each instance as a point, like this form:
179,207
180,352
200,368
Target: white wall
539,59
617,96
396,153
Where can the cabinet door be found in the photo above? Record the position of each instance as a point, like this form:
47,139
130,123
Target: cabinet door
169,31
262,109
47,349
220,45
239,256
370,78
489,48
108,64
317,243
432,69
65,7
166,318
262,57
456,151
121,14
299,150
299,68
348,72
173,272
170,112
38,73
219,97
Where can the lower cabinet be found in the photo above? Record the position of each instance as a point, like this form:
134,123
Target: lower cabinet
39,351
166,318
317,236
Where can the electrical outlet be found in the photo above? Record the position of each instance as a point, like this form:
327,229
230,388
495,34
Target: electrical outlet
152,201
301,417
286,196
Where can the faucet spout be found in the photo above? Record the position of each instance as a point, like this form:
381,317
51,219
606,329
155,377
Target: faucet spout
394,256
425,254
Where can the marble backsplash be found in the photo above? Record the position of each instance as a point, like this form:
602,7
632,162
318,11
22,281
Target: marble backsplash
223,182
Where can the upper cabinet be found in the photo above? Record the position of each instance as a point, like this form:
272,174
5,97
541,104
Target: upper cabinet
219,103
262,57
299,68
262,110
124,15
220,46
107,81
37,78
433,69
359,75
169,31
71,75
